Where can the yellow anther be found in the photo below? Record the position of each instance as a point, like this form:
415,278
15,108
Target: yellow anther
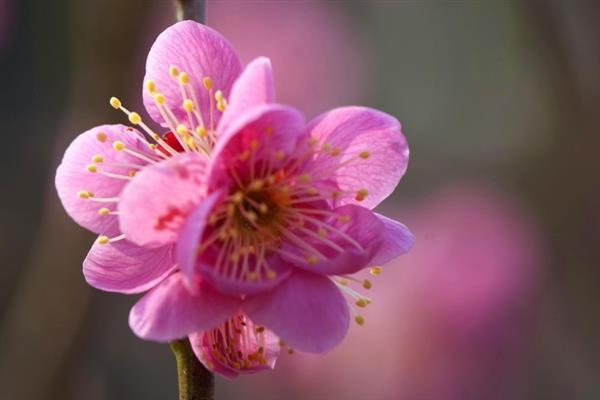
135,118
182,130
252,276
221,106
279,154
335,194
207,82
313,141
262,207
312,259
219,96
156,136
91,168
360,320
132,173
361,303
152,146
342,281
367,284
188,105
322,232
361,194
84,194
159,98
271,274
344,219
101,136
326,147
184,78
304,178
336,151
191,142
312,191
251,215
375,270
201,131
173,71
103,211
151,86
260,329
237,197
118,145
256,184
364,154
290,351
103,239
97,158
116,103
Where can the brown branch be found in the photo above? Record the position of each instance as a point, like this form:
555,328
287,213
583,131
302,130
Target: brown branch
190,9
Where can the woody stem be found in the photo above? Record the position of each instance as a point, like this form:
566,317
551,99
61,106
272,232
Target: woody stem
195,381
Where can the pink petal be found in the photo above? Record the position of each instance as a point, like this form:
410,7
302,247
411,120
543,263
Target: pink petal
125,267
191,233
354,130
397,240
253,87
272,127
359,240
218,348
170,311
156,203
73,177
307,311
200,52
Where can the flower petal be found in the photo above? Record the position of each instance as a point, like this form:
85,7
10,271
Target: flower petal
198,51
347,243
125,267
356,131
253,87
170,311
73,177
219,349
397,240
191,233
307,311
155,204
261,130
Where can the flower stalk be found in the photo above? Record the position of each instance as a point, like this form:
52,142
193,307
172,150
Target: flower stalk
195,381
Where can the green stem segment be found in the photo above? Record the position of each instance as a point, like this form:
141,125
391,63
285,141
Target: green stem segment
195,381
190,9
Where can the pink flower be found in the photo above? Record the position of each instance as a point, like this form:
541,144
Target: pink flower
242,212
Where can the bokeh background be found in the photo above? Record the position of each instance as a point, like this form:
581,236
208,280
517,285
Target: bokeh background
500,103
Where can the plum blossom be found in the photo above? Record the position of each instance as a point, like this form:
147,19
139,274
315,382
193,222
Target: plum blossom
242,222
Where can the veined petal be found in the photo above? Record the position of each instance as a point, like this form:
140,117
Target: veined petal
397,240
155,205
238,346
254,87
255,136
198,51
307,311
369,152
78,187
125,267
191,233
341,244
170,311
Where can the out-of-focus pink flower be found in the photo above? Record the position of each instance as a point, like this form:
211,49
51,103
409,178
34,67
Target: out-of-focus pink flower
240,206
320,59
454,316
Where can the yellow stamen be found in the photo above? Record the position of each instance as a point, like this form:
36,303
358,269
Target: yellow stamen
375,271
135,118
101,136
91,168
173,71
188,105
151,86
184,78
116,103
360,320
97,158
367,284
207,82
118,146
364,154
361,194
103,211
103,239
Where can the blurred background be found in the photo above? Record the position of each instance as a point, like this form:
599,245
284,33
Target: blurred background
500,103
